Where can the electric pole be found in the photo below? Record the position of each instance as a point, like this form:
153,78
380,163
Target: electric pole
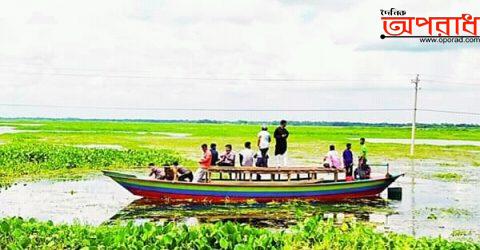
412,145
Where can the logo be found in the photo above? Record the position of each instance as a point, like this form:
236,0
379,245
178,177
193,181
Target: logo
462,28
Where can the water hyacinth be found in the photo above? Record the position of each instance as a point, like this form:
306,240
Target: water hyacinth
313,233
23,159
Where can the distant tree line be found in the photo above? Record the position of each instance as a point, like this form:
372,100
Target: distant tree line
298,123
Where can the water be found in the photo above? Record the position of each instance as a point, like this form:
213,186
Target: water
436,142
7,129
10,129
98,200
89,201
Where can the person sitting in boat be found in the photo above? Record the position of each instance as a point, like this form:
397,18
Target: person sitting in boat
227,159
247,155
260,160
363,170
157,173
213,150
332,159
183,173
205,163
169,173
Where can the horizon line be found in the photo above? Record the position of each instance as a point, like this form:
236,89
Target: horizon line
206,121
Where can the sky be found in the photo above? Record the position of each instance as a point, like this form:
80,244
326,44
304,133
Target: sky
139,59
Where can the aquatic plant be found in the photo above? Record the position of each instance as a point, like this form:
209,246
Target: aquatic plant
272,215
433,213
313,233
461,233
432,216
448,176
449,164
35,159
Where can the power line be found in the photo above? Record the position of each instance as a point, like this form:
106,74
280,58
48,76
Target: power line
236,110
254,79
450,82
49,67
273,79
205,109
451,77
202,78
450,112
107,74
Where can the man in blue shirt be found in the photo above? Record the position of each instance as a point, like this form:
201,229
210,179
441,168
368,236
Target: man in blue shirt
348,161
214,152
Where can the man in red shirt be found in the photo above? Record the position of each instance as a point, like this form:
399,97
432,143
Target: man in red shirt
204,162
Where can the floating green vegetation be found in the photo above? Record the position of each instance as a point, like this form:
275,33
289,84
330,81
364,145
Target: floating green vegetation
432,217
449,164
461,233
313,233
448,176
435,212
40,160
455,211
271,215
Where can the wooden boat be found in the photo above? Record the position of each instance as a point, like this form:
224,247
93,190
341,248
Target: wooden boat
245,189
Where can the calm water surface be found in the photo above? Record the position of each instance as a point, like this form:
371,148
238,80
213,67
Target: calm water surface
428,207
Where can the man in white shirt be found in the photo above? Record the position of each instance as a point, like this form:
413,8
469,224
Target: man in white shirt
332,159
246,155
263,143
227,159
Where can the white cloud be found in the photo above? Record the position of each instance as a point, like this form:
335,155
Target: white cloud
55,42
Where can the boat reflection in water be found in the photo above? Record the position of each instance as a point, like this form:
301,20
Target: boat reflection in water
272,215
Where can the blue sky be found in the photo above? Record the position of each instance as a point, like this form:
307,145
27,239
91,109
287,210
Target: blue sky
137,54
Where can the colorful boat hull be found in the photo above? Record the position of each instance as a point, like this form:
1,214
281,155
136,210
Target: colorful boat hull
260,192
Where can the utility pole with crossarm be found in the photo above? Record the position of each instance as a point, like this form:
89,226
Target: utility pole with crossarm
412,145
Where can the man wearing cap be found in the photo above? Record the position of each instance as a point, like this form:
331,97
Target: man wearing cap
263,144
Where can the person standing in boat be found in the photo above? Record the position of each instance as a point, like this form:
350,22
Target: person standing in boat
363,149
348,161
205,163
213,150
263,143
281,135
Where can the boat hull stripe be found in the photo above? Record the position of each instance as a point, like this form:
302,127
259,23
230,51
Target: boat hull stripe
132,188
